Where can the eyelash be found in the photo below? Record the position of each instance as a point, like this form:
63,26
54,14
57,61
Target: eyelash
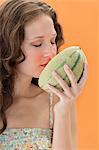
41,44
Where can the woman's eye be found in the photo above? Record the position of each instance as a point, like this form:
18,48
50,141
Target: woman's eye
37,45
53,43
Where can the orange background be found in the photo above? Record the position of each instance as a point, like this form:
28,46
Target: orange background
79,19
80,22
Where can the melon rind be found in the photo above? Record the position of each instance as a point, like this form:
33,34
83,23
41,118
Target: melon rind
73,56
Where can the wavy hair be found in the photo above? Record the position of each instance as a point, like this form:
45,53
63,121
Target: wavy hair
14,14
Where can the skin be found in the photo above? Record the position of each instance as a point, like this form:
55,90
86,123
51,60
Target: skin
70,94
64,110
41,26
24,91
30,101
38,51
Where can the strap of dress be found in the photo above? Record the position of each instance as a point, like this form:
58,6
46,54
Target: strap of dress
51,111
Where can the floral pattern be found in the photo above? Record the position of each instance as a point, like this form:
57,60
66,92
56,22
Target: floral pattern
26,139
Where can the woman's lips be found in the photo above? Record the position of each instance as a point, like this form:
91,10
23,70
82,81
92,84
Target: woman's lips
46,62
43,65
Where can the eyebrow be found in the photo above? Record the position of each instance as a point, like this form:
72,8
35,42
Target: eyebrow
55,34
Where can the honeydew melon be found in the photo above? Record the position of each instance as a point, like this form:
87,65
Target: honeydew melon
73,56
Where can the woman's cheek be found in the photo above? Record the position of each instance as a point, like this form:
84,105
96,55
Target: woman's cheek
38,58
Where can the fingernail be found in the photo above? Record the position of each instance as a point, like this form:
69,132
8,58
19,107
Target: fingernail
66,66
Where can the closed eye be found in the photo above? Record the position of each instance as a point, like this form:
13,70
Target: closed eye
41,44
37,45
53,43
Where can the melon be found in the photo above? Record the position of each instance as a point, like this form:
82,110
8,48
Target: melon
73,56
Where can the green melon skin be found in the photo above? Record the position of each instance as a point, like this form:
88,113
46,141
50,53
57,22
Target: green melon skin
73,56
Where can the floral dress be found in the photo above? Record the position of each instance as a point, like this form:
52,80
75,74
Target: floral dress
28,138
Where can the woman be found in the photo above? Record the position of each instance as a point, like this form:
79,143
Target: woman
31,118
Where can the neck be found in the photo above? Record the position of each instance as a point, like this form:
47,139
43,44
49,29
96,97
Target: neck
24,88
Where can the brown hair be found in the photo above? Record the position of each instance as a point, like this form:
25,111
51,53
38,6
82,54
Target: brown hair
13,16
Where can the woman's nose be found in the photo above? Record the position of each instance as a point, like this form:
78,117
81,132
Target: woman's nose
50,51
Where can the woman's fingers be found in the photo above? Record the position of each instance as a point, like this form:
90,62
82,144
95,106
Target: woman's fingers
75,87
56,91
72,78
63,84
84,76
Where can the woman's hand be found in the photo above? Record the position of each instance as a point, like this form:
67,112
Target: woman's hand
69,94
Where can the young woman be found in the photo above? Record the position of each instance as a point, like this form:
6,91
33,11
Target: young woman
31,118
